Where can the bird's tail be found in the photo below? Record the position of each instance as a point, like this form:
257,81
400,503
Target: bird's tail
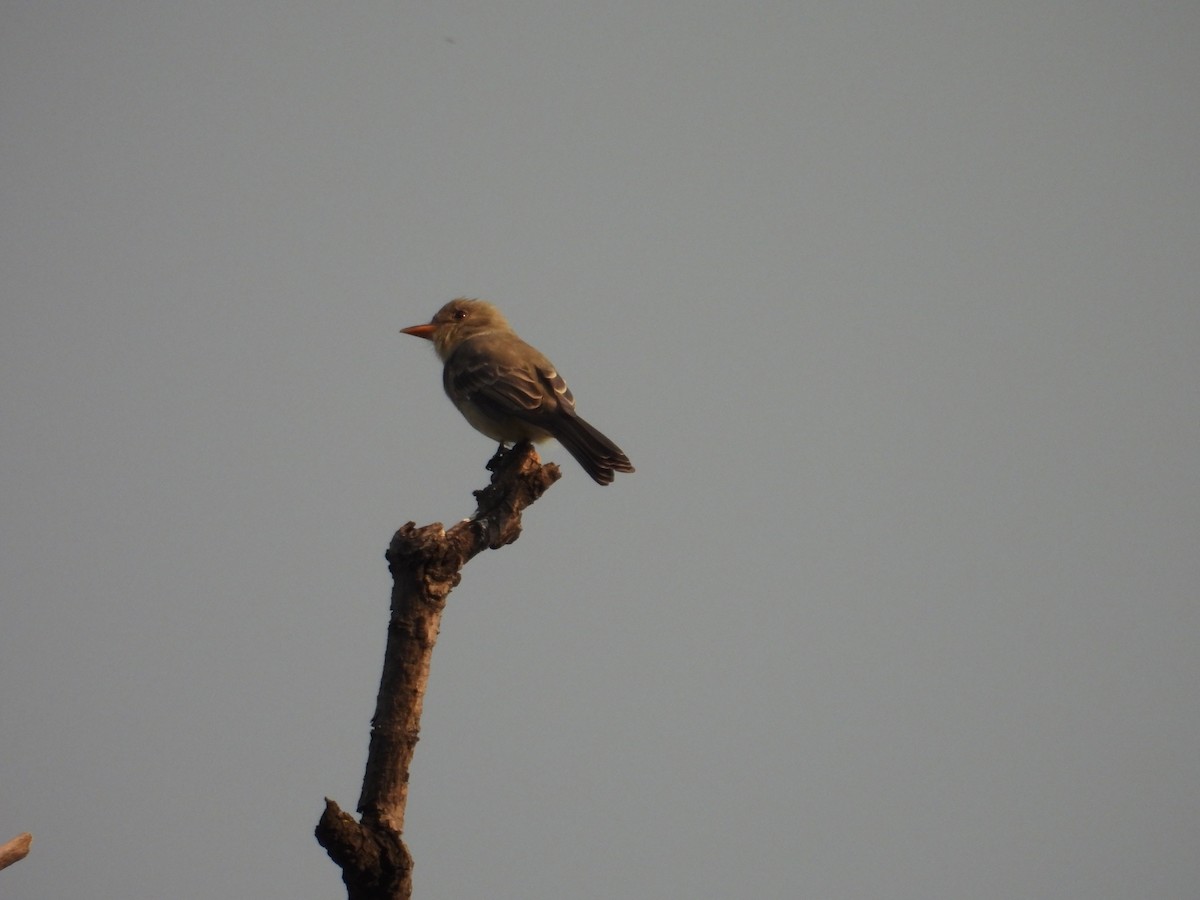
599,456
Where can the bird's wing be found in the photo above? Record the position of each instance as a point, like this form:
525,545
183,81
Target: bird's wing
507,378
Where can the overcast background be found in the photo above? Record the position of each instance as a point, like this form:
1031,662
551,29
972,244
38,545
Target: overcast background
893,305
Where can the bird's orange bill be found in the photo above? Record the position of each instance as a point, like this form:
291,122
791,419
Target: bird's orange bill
423,331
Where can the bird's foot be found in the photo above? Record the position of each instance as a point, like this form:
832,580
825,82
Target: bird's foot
504,451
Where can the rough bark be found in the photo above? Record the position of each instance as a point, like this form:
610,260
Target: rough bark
425,564
14,850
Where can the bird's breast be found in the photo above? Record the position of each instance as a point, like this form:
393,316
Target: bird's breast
509,430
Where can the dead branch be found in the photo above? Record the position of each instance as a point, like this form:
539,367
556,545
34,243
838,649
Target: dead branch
14,850
425,564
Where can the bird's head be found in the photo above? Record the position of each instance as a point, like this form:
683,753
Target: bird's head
456,321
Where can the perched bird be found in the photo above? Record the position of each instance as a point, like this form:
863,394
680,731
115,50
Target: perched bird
508,390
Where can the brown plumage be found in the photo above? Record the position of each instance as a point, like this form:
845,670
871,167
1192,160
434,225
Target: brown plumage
510,391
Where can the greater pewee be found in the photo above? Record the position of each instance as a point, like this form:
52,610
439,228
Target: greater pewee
508,390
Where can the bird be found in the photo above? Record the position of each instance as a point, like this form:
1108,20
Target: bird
508,390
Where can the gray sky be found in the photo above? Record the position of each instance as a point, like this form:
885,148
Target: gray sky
894,307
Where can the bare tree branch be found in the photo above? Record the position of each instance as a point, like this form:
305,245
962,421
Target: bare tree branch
14,850
425,563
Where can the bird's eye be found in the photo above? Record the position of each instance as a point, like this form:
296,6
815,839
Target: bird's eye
460,314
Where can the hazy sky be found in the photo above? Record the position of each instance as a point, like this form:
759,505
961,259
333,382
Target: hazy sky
894,306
